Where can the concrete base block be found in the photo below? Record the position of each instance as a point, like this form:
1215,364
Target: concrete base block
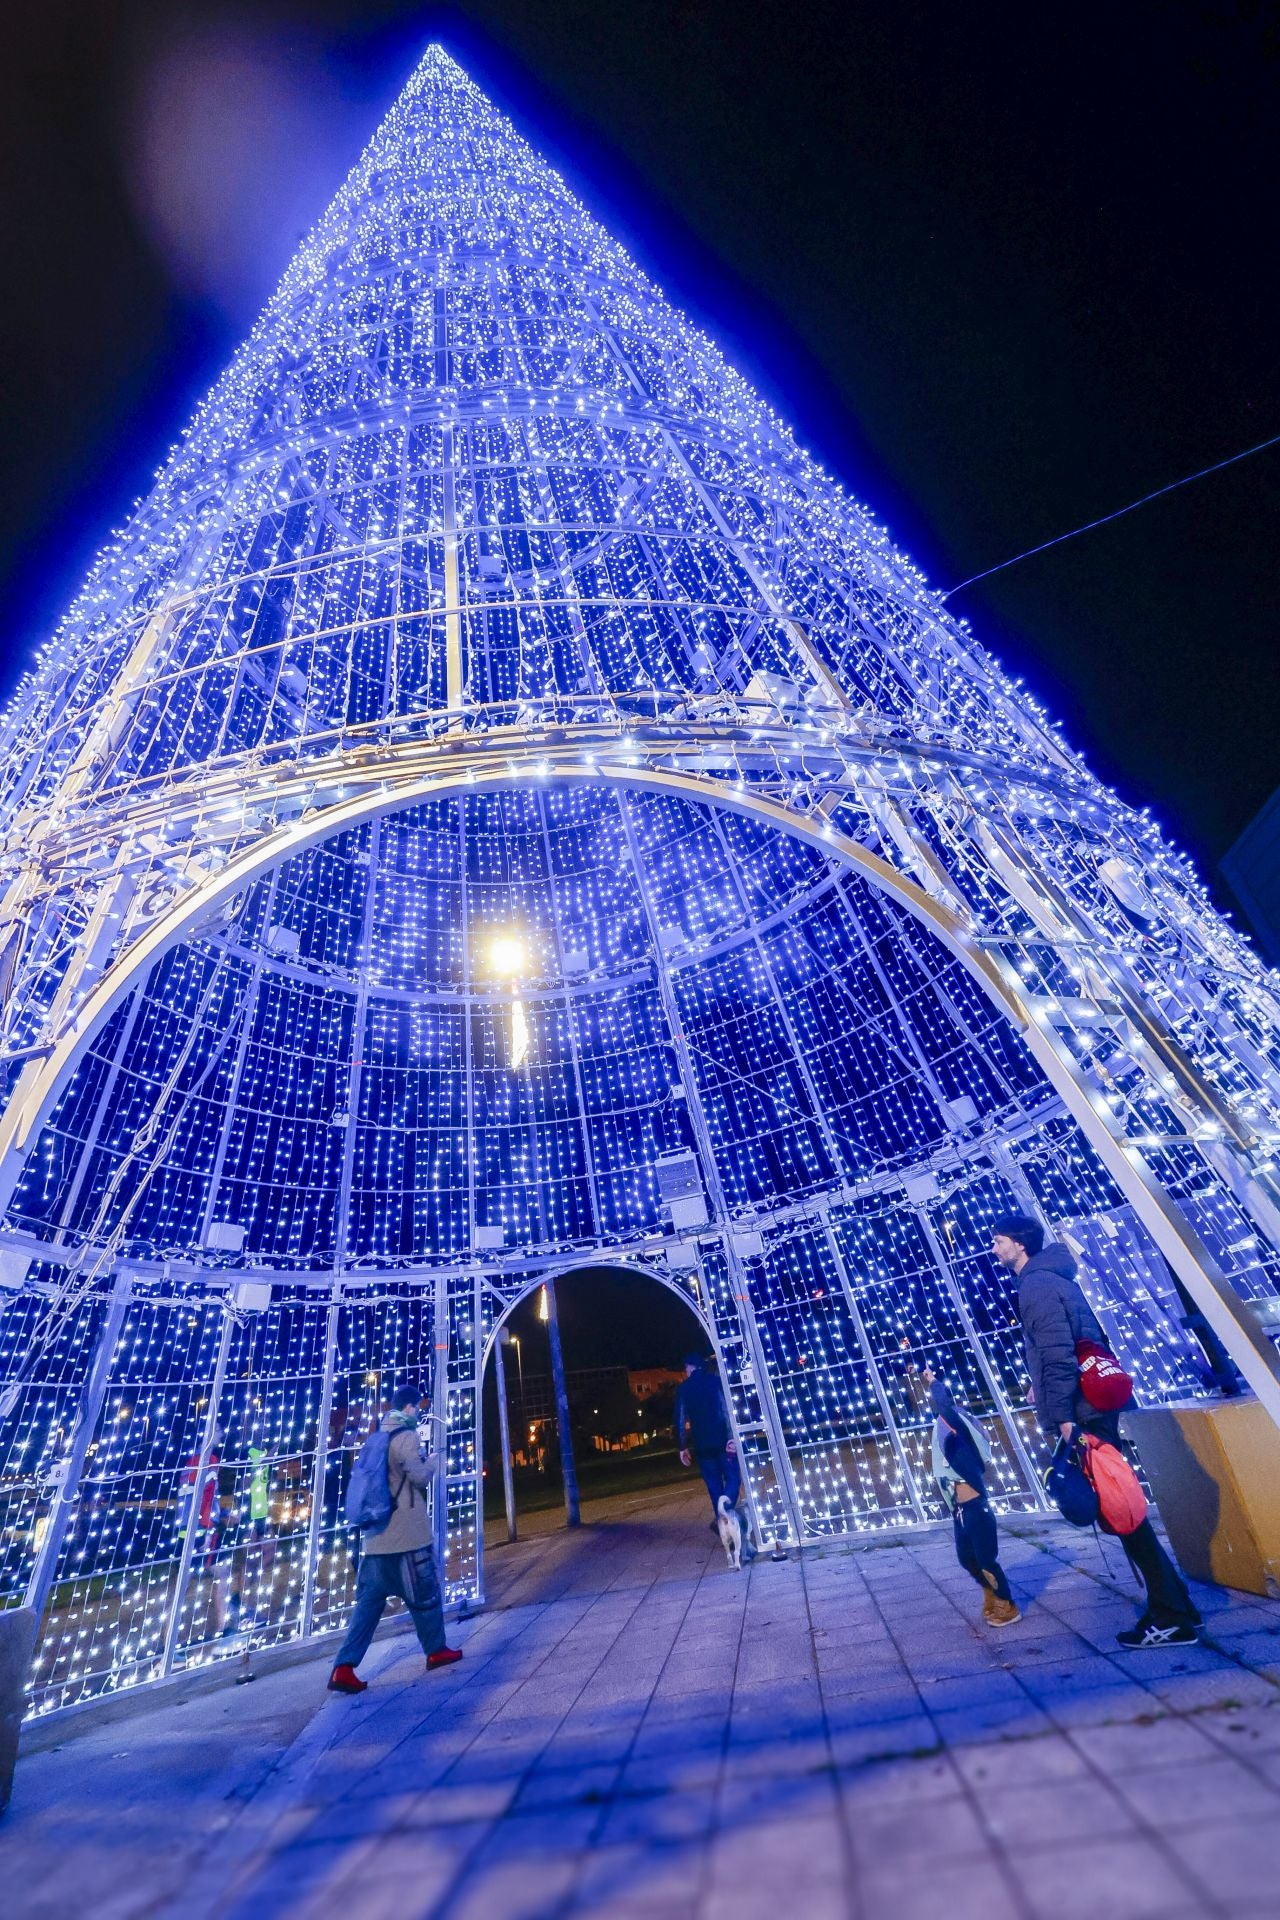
17,1644
1214,1468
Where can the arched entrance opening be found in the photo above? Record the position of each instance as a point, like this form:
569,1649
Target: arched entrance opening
624,1333
334,1131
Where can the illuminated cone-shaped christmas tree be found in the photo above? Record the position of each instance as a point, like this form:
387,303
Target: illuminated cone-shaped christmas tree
498,803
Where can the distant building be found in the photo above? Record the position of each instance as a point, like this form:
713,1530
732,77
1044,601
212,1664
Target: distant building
612,1408
646,1381
1252,870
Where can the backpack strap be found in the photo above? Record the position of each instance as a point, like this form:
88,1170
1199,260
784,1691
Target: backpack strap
395,1492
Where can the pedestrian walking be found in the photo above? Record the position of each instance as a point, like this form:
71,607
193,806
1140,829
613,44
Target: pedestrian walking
1056,1317
961,1456
202,1508
1218,1372
703,1434
391,1478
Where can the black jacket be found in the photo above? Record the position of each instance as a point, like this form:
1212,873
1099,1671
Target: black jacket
700,1413
1054,1315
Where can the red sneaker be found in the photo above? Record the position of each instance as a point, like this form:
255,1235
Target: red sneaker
347,1680
443,1657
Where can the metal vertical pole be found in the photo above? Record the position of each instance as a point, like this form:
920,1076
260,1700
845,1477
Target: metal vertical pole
320,1469
711,1174
820,1117
877,1383
103,1107
504,1434
45,1569
197,1491
706,1320
573,1515
441,1341
469,1137
570,1021
248,1018
355,1078
763,1384
452,588
1006,1163
821,1120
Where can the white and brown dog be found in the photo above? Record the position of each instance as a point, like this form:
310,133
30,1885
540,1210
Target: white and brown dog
729,1527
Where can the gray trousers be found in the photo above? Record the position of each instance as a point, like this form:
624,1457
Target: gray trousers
411,1576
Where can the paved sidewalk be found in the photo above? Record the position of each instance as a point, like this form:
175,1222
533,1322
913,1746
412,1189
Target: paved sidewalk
638,1731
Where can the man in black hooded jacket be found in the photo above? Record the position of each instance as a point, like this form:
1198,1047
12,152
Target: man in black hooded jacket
703,1433
1055,1315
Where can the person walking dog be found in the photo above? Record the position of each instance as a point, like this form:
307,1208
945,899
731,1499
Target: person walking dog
1056,1318
703,1433
389,1485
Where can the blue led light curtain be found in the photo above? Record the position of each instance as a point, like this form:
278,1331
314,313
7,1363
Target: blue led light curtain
497,804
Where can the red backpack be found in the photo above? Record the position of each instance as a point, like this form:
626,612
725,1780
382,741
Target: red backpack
1122,1505
1103,1381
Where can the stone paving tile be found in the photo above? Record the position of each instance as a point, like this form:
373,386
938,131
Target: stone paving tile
1232,1861
1130,1876
1054,1812
637,1730
1101,1707
894,1830
656,1818
910,1738
1250,1730
1225,1688
514,1889
638,1878
994,1766
787,1853
1213,1790
548,1787
1000,1719
921,1888
1169,1742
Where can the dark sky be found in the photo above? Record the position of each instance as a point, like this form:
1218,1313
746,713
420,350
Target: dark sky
1005,268
599,1326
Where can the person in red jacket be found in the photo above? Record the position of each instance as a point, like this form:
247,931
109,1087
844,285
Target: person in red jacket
206,1507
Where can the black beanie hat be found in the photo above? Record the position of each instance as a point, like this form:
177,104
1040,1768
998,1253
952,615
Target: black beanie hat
1021,1227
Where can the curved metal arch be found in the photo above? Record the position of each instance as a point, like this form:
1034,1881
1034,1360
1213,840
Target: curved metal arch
44,1079
581,1265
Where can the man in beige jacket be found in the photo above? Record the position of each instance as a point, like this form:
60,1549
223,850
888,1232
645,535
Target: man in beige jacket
399,1560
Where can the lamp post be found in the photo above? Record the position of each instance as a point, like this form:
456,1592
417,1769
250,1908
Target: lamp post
507,960
547,1311
504,1428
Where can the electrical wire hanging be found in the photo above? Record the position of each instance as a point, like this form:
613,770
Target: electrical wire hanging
1119,513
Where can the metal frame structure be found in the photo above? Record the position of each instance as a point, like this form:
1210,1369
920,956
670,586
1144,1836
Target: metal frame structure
482,597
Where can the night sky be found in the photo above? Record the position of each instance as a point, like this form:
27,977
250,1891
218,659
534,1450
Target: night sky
1004,268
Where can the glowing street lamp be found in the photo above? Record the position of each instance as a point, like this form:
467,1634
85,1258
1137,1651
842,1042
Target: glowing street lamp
507,962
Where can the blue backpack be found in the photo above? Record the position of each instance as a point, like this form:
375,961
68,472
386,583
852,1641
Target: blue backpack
369,1503
1069,1489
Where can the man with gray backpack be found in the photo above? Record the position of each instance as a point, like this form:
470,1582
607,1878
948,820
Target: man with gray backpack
387,1500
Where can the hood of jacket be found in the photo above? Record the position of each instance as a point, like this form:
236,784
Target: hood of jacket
1055,1259
397,1420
